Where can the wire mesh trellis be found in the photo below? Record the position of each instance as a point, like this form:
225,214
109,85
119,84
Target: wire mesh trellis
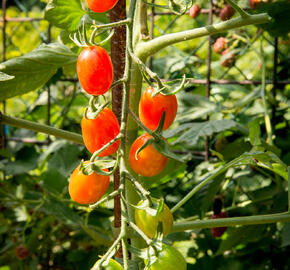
207,81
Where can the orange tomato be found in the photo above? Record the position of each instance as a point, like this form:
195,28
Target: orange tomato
85,189
149,161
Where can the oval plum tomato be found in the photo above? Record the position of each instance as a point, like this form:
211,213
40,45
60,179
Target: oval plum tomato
194,10
148,223
170,259
95,70
149,161
151,109
228,58
218,231
85,189
101,5
112,265
220,45
227,12
101,130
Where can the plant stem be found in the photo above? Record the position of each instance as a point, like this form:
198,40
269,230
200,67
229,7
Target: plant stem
108,197
228,222
21,123
268,124
149,48
95,155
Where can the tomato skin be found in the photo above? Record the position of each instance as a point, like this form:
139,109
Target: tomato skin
101,6
149,224
227,12
218,231
169,259
112,265
85,189
150,162
95,70
101,130
194,10
220,45
228,58
151,109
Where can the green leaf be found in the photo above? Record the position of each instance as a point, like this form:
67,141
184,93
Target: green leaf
255,132
193,106
208,128
26,160
286,235
68,14
65,159
5,77
64,14
211,190
54,181
279,12
34,69
242,235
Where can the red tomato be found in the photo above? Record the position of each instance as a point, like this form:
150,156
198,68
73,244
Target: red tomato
218,231
101,130
95,70
194,11
101,5
254,3
151,109
228,58
220,45
227,12
149,161
85,189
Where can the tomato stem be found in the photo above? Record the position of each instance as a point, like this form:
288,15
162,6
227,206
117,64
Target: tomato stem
228,222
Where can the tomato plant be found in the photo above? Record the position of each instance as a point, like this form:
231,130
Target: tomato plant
170,259
172,54
95,70
148,223
85,189
149,162
101,6
151,109
101,130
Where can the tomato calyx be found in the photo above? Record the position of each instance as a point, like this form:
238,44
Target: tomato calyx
159,143
164,89
94,108
98,166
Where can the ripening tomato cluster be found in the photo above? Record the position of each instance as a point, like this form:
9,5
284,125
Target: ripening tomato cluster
221,47
149,162
95,74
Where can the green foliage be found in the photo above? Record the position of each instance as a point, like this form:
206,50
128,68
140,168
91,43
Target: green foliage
248,172
43,63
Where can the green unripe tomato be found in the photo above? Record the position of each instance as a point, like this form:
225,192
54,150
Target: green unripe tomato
148,223
169,259
112,265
